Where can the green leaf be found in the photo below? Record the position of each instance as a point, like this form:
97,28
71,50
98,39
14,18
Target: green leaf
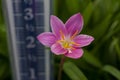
1,14
87,13
55,7
112,70
88,57
3,41
4,69
101,28
116,45
73,6
73,71
112,30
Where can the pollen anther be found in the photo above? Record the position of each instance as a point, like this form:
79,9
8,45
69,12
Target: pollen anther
67,42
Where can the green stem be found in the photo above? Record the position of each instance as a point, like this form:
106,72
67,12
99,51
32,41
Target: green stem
61,67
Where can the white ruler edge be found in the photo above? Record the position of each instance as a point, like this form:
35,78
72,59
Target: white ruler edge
12,37
47,27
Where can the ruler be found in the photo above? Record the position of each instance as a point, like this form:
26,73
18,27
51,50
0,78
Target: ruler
25,20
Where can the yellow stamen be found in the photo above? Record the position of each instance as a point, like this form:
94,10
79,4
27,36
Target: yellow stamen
68,43
73,48
62,35
75,43
74,34
60,41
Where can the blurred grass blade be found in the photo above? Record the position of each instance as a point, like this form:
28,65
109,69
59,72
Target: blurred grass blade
117,47
87,13
102,27
73,71
73,6
111,31
4,69
112,70
88,57
3,41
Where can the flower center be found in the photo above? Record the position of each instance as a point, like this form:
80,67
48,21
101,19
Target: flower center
66,42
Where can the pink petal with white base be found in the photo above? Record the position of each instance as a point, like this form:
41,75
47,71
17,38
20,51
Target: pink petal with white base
47,38
74,23
83,40
57,49
57,26
75,54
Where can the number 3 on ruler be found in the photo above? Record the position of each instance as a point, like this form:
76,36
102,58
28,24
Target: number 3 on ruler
29,14
31,43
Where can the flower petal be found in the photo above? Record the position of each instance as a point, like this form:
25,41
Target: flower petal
74,24
57,49
77,53
57,26
83,40
47,38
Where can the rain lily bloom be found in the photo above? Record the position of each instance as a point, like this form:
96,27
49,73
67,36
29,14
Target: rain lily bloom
64,38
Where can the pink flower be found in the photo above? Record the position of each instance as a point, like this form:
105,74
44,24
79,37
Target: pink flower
64,38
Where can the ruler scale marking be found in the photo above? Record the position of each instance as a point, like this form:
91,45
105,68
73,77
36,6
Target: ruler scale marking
28,18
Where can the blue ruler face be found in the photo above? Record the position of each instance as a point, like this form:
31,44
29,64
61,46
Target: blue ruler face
26,19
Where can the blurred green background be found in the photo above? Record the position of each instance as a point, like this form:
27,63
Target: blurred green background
101,60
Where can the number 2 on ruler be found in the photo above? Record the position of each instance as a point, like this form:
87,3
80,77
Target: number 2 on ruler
30,38
31,43
28,16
